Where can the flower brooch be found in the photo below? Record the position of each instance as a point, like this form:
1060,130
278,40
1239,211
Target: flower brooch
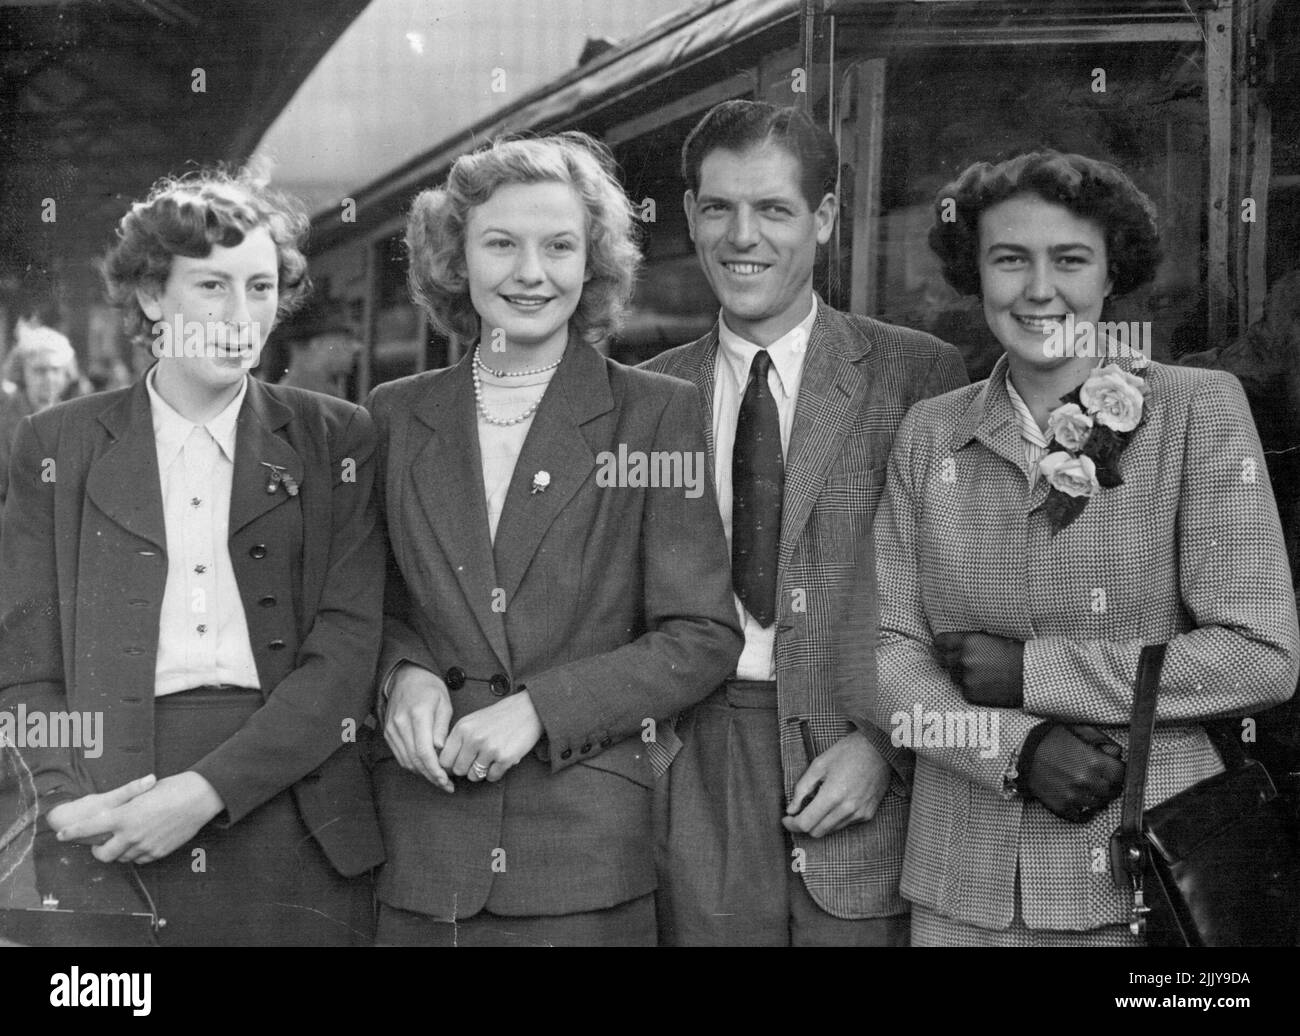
1088,432
540,481
277,475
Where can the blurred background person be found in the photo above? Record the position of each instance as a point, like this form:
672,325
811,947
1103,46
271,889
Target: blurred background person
323,349
42,368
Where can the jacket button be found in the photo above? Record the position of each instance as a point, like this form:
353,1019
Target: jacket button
585,748
499,685
267,602
605,742
276,645
257,550
566,753
455,678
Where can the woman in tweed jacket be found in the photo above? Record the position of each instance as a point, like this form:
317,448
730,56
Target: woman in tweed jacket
1038,529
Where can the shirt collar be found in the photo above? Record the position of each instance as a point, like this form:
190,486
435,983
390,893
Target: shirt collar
787,352
1029,429
171,430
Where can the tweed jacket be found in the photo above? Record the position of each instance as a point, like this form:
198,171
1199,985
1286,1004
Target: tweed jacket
1187,551
610,604
860,377
83,566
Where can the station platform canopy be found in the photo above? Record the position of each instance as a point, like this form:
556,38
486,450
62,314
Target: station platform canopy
100,97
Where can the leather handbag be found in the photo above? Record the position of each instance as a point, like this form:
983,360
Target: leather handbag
1216,864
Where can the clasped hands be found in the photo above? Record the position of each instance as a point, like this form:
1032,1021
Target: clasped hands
141,821
1074,770
482,745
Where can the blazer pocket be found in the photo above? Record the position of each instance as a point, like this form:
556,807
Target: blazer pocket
628,759
858,478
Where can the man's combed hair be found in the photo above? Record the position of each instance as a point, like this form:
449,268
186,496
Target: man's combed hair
1090,189
739,126
435,230
188,215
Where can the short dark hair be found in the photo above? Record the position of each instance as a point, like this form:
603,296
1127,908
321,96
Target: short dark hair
1091,189
741,125
189,215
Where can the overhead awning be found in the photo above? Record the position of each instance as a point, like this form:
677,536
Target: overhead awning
101,97
665,48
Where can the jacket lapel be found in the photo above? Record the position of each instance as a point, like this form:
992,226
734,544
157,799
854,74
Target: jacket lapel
833,389
556,445
124,482
700,368
992,420
256,446
445,473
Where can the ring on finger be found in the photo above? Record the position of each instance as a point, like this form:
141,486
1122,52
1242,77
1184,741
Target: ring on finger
478,770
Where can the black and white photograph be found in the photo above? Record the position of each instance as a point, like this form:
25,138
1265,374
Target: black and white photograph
652,473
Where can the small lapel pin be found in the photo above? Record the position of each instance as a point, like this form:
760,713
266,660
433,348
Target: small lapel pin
278,474
540,481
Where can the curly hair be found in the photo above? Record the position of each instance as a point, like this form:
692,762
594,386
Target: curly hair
435,228
188,215
1091,190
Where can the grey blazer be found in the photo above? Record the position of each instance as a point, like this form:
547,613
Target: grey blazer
860,377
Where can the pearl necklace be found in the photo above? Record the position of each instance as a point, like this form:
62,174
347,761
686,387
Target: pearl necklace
478,361
504,422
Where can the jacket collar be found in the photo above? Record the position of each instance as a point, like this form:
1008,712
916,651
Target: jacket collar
124,482
450,485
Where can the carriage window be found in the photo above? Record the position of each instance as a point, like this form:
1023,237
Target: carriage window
673,302
398,335
1139,106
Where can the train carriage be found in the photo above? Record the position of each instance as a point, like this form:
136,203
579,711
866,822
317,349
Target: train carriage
1198,100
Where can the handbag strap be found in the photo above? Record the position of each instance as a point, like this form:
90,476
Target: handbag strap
1140,731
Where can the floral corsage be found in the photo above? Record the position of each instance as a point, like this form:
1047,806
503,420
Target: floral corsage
1087,433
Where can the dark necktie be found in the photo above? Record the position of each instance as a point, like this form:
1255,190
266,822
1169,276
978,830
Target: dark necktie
757,478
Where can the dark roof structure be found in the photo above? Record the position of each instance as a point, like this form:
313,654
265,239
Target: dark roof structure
98,98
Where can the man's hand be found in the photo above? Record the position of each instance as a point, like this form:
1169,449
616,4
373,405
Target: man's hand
495,738
150,825
989,670
854,778
416,722
88,810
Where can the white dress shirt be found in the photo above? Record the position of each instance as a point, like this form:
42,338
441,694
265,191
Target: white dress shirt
731,375
203,634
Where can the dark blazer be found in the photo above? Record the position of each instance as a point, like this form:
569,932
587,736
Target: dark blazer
612,606
859,378
83,564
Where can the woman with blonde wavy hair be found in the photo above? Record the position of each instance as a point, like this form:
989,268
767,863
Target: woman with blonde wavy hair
541,617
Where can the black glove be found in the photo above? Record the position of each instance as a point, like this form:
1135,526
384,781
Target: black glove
1075,772
989,670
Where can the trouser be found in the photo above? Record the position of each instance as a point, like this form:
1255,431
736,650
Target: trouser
725,861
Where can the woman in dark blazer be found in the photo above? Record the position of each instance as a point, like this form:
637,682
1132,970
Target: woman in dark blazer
559,577
1038,529
194,563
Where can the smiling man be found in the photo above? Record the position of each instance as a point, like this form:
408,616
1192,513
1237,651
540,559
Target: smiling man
784,816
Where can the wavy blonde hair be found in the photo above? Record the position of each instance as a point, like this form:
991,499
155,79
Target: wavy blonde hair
435,229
